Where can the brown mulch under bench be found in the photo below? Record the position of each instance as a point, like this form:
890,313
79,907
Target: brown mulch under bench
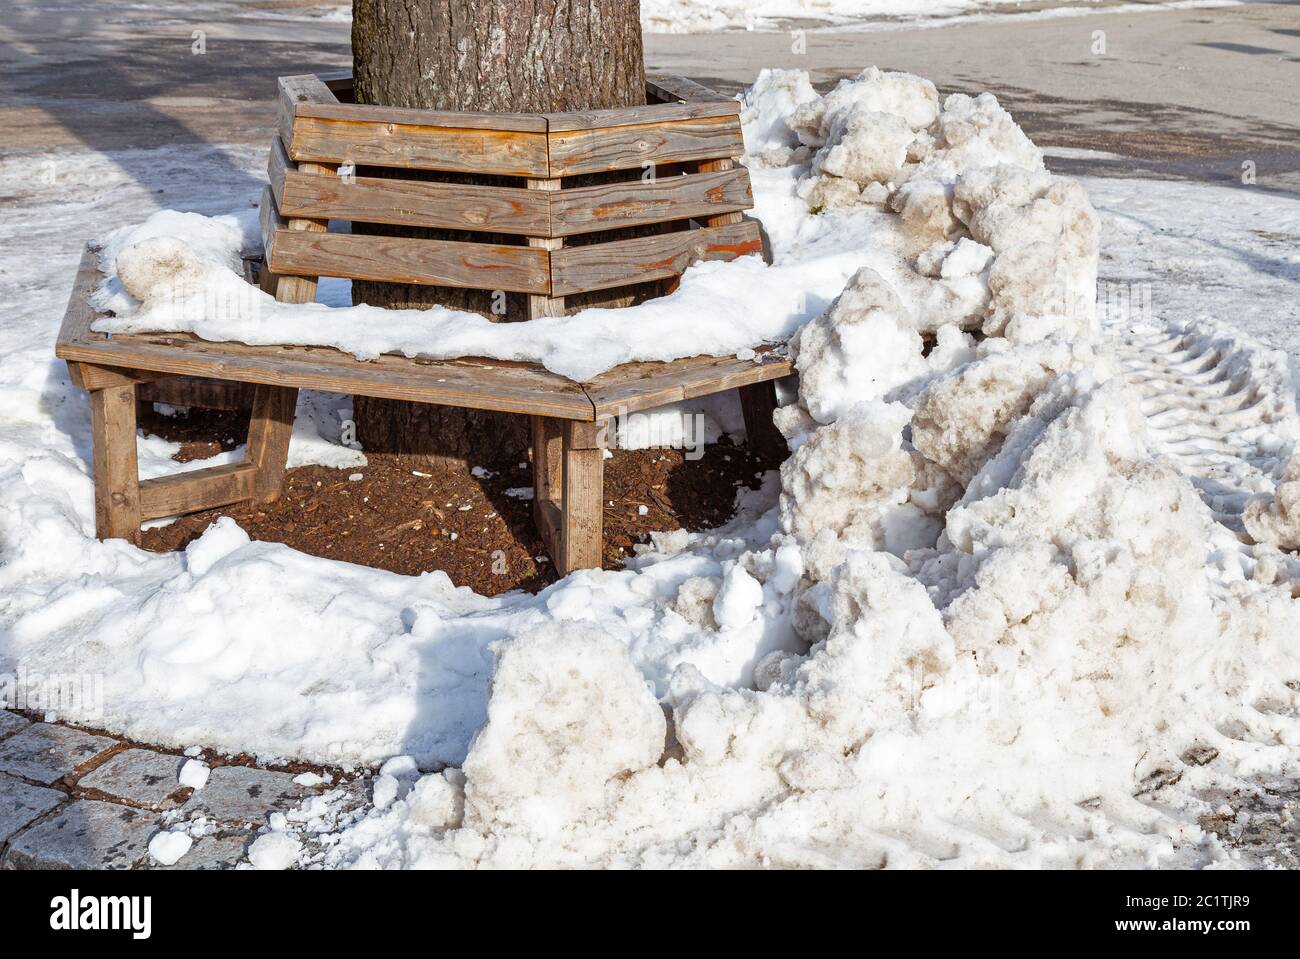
467,526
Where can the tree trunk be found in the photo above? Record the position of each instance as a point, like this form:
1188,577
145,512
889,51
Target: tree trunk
505,56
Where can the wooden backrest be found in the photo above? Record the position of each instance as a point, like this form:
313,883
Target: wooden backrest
668,164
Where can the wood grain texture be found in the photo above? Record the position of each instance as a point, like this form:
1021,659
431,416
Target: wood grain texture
484,266
203,392
540,305
721,217
278,165
419,147
405,116
269,428
639,115
673,88
604,265
196,490
455,206
116,473
611,205
620,148
641,386
582,502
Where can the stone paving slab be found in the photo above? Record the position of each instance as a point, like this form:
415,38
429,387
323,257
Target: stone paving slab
85,835
45,753
22,803
11,723
238,794
213,852
139,776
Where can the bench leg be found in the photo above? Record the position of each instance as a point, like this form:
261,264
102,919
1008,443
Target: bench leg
758,403
582,505
269,430
117,475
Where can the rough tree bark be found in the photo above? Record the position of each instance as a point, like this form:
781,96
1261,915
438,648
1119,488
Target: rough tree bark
496,55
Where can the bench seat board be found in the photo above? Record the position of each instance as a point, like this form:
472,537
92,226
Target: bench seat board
472,383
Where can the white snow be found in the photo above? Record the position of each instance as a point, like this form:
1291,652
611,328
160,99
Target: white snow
194,774
274,850
167,848
997,592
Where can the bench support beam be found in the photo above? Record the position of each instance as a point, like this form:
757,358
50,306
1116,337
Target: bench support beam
568,486
117,475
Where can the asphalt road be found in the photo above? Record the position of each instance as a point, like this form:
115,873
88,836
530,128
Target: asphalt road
1179,93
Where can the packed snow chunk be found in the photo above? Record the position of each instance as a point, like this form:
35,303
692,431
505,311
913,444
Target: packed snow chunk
194,774
437,801
167,848
568,714
967,257
852,478
218,541
972,132
765,109
860,348
274,851
1276,519
169,251
912,99
1045,236
961,419
871,148
738,600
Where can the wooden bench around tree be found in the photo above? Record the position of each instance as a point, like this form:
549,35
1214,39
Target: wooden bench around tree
693,202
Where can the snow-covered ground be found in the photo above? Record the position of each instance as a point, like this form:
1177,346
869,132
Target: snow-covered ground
997,598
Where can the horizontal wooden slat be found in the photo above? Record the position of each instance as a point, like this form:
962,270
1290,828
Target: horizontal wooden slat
278,165
595,151
203,392
456,120
670,89
600,266
456,206
196,490
643,386
639,116
270,220
483,266
604,207
418,147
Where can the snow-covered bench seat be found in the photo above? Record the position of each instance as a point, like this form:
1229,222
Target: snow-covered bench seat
569,419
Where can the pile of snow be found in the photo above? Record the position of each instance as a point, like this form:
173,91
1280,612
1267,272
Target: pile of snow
995,608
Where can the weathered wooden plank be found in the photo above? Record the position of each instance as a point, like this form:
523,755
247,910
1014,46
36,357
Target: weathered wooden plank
672,89
540,305
582,503
293,92
500,152
483,266
643,386
300,288
456,206
116,474
269,429
604,265
270,221
204,392
611,205
449,119
638,116
550,526
595,151
721,217
89,377
195,490
277,165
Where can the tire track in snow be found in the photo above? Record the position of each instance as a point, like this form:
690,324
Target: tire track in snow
1220,411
